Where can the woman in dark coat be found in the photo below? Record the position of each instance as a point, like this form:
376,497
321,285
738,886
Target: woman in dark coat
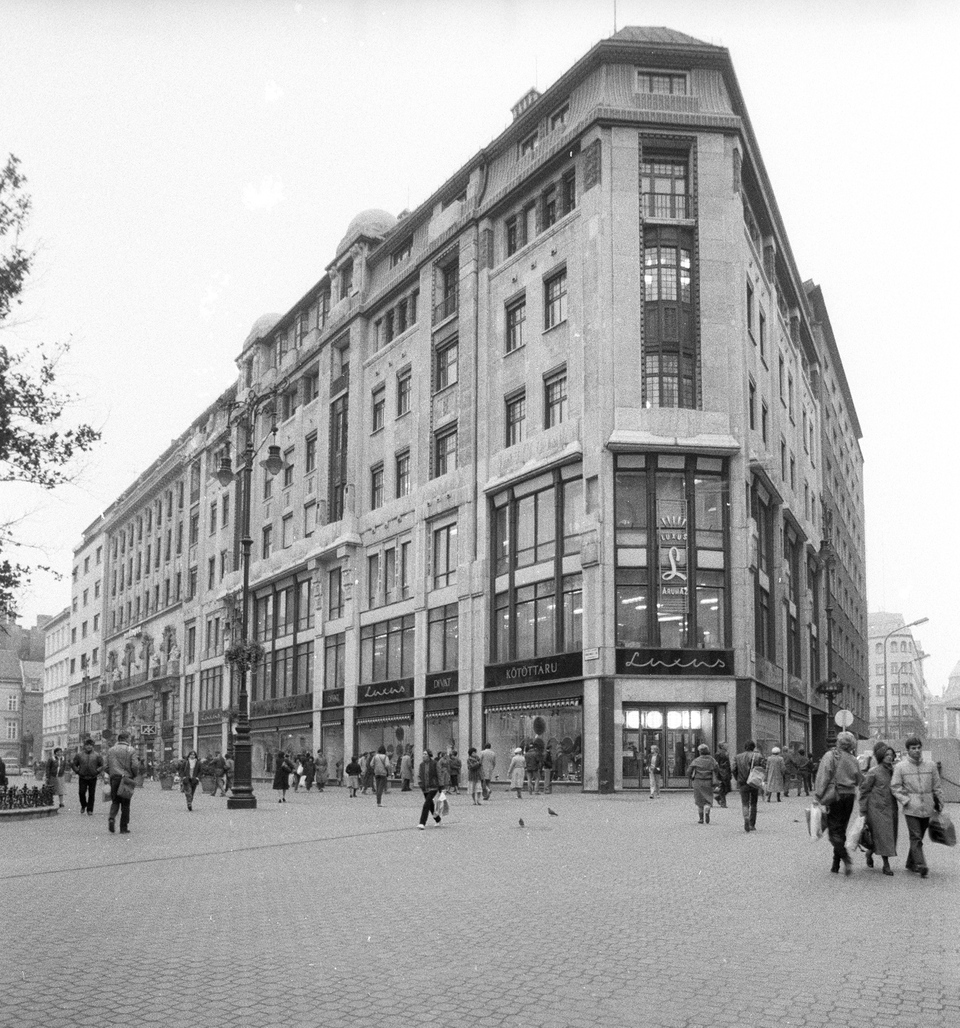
429,786
723,763
281,777
190,776
879,806
703,772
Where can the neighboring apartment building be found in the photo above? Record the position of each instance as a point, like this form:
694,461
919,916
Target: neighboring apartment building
943,712
85,645
60,631
11,707
898,689
844,550
551,464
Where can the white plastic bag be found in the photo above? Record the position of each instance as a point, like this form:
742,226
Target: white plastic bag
854,830
814,820
441,804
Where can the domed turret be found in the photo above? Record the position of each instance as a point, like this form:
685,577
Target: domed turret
260,328
373,223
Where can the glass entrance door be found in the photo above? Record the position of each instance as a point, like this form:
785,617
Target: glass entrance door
676,731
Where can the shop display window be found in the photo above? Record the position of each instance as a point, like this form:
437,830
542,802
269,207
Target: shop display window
393,735
557,729
442,735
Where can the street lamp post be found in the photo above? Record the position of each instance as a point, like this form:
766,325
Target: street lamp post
244,655
886,673
830,689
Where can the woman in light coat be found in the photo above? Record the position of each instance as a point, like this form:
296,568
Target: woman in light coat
703,772
879,807
517,770
776,780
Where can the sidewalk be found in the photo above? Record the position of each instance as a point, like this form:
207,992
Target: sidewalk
334,912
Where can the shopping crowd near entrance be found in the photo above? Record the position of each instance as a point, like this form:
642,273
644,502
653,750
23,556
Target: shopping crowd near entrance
877,784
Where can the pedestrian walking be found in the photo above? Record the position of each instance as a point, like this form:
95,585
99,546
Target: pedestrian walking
703,772
321,770
309,771
55,770
429,782
381,769
122,764
338,771
229,766
517,771
532,762
474,781
406,769
546,769
456,764
745,762
488,761
366,777
838,777
190,776
653,769
297,773
443,770
220,774
776,780
878,807
916,784
87,765
804,767
722,757
281,776
353,776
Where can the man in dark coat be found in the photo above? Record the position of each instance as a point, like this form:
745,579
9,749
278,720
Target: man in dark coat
743,764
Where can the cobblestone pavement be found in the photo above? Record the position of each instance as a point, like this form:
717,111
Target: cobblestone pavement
330,911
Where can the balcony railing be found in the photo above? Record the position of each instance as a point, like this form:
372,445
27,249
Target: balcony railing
668,206
447,306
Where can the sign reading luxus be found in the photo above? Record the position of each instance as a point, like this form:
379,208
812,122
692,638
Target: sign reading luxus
540,669
377,692
674,662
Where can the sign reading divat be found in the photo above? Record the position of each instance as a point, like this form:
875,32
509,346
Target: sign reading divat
332,697
377,692
675,662
443,682
541,669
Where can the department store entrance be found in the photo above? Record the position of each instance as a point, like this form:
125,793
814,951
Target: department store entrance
676,730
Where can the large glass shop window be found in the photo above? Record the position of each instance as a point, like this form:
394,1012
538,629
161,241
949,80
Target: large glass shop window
538,599
557,729
442,730
394,734
331,742
671,527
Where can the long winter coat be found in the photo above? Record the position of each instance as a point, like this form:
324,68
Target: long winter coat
879,807
775,775
703,771
281,777
517,770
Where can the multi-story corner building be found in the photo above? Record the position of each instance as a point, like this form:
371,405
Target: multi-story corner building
943,712
553,466
843,552
898,689
60,634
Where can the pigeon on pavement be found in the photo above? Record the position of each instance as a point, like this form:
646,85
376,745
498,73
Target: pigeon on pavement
552,813
521,822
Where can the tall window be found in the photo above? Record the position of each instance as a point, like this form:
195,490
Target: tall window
334,593
386,650
376,486
669,342
516,414
403,474
443,640
338,457
334,654
670,551
404,390
516,319
555,398
266,547
444,451
663,187
379,406
445,365
444,555
310,454
555,299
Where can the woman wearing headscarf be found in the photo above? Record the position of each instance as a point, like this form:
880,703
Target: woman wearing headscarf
775,774
517,770
703,773
879,807
838,776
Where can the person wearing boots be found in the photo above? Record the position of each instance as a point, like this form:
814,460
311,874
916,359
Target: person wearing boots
703,772
838,777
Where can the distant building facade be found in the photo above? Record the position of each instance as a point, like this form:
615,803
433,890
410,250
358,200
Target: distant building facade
898,690
554,464
56,681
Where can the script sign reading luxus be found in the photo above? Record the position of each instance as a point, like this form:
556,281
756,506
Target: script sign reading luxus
377,692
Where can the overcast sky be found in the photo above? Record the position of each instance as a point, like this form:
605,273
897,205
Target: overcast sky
194,165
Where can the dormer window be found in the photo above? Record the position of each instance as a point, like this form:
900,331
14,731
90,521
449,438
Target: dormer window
529,144
667,82
400,255
559,119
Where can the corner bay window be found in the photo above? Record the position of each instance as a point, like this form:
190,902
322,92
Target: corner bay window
670,552
537,583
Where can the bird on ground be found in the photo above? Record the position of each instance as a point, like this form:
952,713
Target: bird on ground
521,822
552,813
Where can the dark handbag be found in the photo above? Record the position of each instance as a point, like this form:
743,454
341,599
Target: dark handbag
126,787
829,795
866,838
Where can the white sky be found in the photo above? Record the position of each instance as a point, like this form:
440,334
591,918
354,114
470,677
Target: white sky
194,165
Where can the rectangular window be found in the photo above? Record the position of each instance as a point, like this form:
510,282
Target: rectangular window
288,468
444,555
404,391
310,454
402,474
514,229
379,405
386,650
529,144
267,484
444,451
334,661
309,518
764,422
752,405
750,309
445,365
443,638
559,118
515,411
762,330
405,550
549,206
555,300
266,544
555,399
663,187
670,83
568,192
211,572
334,593
376,486
516,319
373,579
311,386
286,531
224,518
